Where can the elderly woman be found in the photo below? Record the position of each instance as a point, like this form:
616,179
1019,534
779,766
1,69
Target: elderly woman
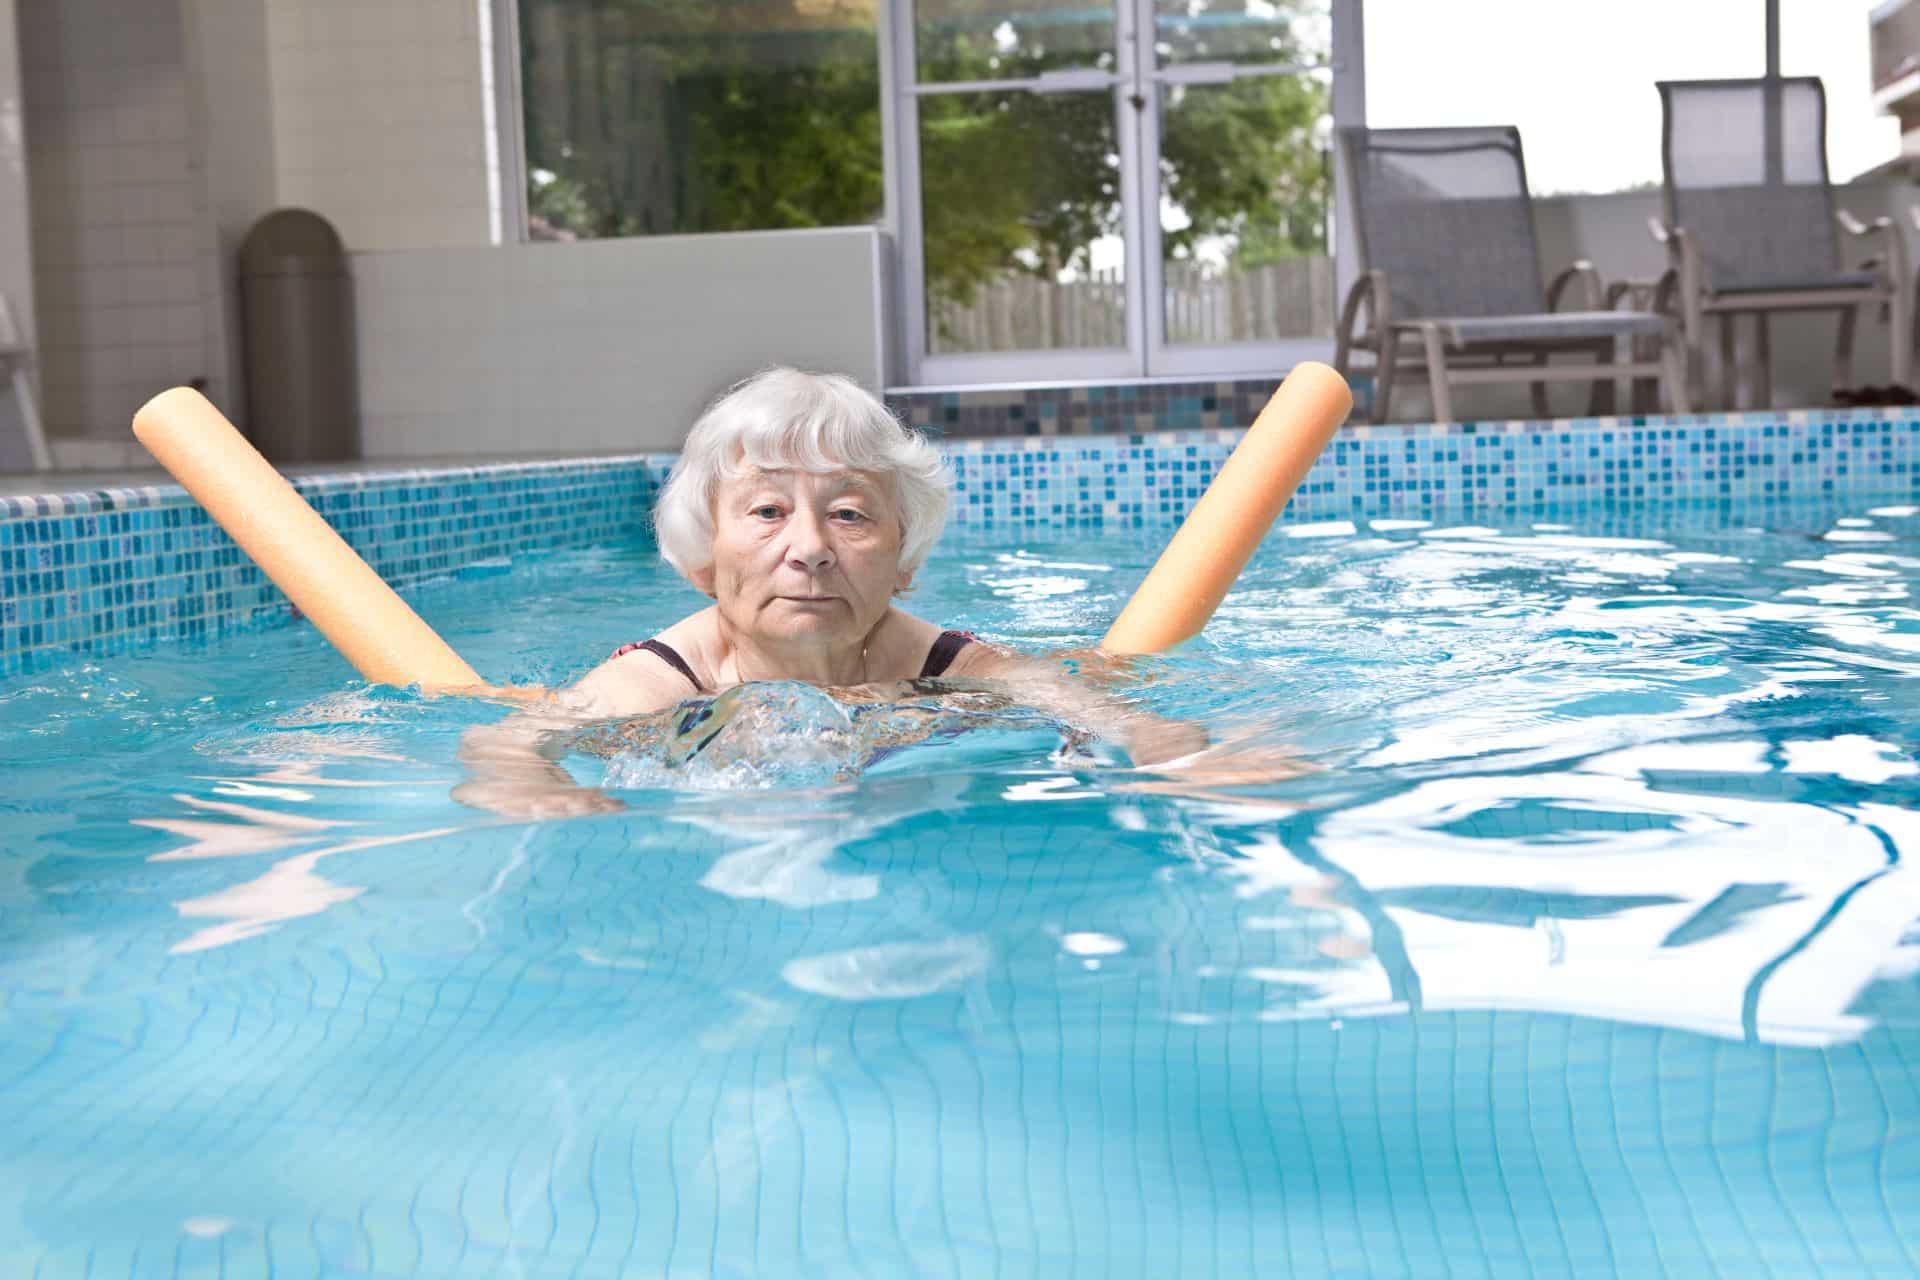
802,508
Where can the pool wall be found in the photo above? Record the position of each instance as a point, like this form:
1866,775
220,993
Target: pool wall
103,571
112,569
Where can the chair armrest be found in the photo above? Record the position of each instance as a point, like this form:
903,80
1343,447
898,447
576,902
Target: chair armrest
1638,295
1893,240
1370,291
1686,274
1592,291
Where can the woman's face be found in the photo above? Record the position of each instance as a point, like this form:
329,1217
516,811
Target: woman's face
800,556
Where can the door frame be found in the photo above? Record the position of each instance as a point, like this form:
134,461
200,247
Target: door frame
1146,354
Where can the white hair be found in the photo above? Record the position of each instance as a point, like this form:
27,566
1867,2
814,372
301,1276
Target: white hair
786,420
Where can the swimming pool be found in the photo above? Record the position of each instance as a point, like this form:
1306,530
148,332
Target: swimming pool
1590,945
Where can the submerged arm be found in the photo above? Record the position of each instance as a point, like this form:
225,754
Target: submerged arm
1154,742
513,765
1148,738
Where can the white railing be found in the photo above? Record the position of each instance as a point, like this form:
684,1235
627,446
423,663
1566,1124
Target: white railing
1291,298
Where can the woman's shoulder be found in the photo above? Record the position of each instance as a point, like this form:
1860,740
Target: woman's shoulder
637,677
915,640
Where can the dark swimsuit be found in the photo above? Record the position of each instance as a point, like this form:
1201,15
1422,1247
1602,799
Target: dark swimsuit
945,649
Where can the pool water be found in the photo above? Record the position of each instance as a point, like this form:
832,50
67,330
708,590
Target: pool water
1590,942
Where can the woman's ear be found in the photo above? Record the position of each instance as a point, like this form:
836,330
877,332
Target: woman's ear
702,580
904,583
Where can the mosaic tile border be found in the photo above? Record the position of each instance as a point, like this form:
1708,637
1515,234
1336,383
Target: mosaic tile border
1454,468
103,571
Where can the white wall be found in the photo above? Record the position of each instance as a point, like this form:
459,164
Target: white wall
379,119
16,256
609,344
116,205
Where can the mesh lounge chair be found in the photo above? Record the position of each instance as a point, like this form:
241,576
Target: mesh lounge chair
1751,225
1451,275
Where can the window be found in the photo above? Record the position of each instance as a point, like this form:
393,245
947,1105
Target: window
648,117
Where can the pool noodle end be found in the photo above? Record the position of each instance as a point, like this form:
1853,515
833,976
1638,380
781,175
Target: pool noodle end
1218,537
371,626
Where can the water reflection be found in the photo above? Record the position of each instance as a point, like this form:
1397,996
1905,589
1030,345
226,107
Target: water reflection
289,767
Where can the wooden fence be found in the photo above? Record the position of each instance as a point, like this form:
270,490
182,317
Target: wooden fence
1288,299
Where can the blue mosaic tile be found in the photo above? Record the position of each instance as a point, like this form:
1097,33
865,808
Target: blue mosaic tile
113,569
1456,468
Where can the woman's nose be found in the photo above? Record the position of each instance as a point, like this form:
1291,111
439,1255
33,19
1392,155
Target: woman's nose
808,546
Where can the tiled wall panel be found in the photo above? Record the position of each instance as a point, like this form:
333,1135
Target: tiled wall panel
380,121
1458,468
101,571
117,208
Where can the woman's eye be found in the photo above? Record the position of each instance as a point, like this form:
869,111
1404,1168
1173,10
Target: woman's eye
850,515
767,512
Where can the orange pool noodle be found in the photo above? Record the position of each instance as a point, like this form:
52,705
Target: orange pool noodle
1192,576
373,628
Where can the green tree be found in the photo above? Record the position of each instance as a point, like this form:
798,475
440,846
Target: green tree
652,116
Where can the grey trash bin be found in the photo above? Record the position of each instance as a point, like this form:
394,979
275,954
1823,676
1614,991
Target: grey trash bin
296,301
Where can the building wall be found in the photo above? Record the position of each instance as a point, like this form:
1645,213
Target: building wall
379,121
16,254
605,344
117,209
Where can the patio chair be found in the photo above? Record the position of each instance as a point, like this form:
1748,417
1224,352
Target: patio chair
1451,281
1751,227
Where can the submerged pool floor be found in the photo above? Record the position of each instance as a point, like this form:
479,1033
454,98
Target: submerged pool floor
1589,944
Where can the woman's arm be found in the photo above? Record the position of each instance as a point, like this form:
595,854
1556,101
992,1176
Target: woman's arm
1154,742
1046,686
513,765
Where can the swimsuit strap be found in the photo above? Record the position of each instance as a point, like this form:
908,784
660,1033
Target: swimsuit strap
944,650
666,653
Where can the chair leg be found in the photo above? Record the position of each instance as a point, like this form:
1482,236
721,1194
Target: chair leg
1729,388
1900,333
1601,397
1541,408
1437,373
1763,359
1387,365
1843,348
1673,362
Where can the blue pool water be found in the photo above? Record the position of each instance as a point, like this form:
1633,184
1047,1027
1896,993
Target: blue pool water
1588,945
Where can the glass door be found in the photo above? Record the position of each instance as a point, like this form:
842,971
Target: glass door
1088,191
1237,128
1018,173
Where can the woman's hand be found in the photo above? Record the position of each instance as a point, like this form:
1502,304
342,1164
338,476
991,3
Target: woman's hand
520,799
1240,763
513,766
1153,742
